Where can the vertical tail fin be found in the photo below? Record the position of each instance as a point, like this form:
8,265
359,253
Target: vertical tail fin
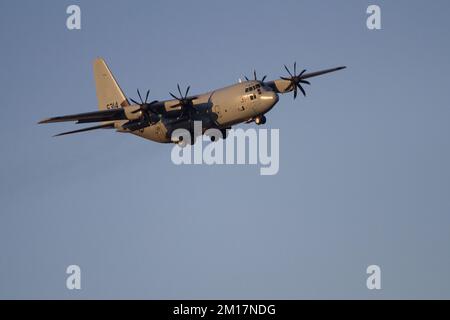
109,94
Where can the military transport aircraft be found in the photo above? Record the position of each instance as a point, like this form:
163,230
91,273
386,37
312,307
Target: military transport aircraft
244,102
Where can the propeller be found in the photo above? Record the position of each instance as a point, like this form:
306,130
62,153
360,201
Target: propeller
149,114
184,101
256,78
296,81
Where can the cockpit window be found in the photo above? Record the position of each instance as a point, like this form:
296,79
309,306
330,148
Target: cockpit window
249,89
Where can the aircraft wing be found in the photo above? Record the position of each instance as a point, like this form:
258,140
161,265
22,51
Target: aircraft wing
284,85
319,73
96,116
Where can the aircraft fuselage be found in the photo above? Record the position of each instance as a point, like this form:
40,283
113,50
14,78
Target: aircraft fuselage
219,109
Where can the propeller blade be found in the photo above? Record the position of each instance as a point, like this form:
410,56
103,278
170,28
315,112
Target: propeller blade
174,96
264,78
139,94
151,107
305,82
179,90
295,68
187,91
246,79
295,92
254,74
301,89
146,96
288,71
135,102
302,73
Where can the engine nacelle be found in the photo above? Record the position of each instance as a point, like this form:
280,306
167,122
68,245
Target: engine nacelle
129,112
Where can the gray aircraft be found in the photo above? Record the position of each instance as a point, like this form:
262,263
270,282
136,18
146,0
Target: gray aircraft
244,102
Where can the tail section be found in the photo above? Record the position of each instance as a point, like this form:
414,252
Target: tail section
109,94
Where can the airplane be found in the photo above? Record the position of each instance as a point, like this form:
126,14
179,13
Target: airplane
244,102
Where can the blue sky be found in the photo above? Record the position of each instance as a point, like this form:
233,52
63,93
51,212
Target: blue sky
364,174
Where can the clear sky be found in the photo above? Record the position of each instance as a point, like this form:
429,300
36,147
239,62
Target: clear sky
364,159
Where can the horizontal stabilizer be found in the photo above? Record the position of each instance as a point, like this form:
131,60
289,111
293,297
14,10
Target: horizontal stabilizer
96,116
103,126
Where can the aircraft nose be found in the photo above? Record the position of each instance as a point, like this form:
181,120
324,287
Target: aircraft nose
270,96
276,98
